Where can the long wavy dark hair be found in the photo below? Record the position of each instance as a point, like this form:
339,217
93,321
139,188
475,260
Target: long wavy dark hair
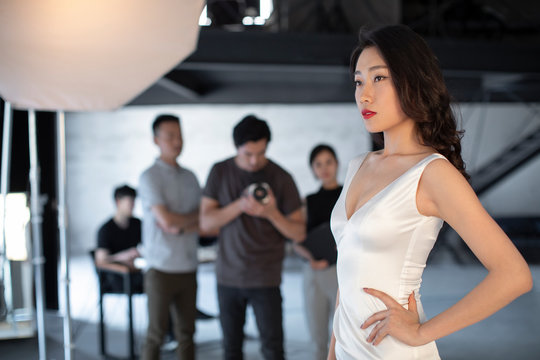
420,87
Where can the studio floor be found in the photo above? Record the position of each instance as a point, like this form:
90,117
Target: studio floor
512,333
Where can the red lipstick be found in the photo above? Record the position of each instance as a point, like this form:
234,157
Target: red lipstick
368,113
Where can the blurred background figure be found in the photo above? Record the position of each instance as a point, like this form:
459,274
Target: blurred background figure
256,206
170,196
118,239
319,249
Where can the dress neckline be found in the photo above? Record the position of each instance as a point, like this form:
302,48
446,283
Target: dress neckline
382,190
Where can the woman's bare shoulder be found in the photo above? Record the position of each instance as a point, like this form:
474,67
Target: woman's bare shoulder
442,171
442,185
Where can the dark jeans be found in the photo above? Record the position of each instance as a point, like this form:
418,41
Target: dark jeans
266,304
176,292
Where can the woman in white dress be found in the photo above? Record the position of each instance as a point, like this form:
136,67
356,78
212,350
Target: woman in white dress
394,202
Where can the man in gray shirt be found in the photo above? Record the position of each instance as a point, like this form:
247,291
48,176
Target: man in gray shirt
252,233
170,196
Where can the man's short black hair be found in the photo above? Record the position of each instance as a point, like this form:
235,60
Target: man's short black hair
250,128
123,191
164,118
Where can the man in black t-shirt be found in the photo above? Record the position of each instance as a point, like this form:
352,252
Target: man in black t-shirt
118,239
255,205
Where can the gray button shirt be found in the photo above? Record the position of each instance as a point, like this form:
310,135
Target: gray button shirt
176,188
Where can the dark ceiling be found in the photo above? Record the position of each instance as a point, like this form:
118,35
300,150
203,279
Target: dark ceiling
485,56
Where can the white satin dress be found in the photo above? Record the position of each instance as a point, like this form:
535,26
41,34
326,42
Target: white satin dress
384,245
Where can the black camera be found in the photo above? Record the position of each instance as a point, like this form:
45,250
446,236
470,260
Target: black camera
259,191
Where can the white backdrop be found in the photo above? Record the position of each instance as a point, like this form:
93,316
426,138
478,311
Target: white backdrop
110,148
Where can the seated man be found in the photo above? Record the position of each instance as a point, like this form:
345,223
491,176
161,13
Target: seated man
118,239
117,249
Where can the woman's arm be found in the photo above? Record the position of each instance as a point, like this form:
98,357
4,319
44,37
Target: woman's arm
443,192
332,348
303,252
315,264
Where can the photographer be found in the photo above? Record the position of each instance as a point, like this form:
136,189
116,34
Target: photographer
252,233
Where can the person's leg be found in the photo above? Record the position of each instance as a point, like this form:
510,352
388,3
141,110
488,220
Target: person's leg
266,303
232,315
183,314
158,298
316,306
137,282
169,342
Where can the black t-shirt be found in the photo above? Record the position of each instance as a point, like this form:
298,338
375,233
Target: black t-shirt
320,241
115,239
320,205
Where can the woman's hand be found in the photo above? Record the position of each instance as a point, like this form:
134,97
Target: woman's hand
396,321
319,264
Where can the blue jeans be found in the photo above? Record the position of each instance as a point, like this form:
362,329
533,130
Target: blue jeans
266,304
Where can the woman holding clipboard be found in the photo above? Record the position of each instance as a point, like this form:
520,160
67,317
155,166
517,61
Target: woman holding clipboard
319,249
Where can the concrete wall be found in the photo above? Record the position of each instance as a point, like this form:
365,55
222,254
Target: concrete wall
108,149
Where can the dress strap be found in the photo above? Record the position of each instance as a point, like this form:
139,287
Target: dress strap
432,157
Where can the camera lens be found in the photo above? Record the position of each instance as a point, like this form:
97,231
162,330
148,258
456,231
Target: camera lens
259,192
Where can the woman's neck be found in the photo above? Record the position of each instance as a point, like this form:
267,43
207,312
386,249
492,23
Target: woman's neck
402,140
330,185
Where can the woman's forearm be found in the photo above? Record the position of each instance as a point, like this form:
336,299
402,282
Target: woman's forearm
303,252
497,290
332,347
